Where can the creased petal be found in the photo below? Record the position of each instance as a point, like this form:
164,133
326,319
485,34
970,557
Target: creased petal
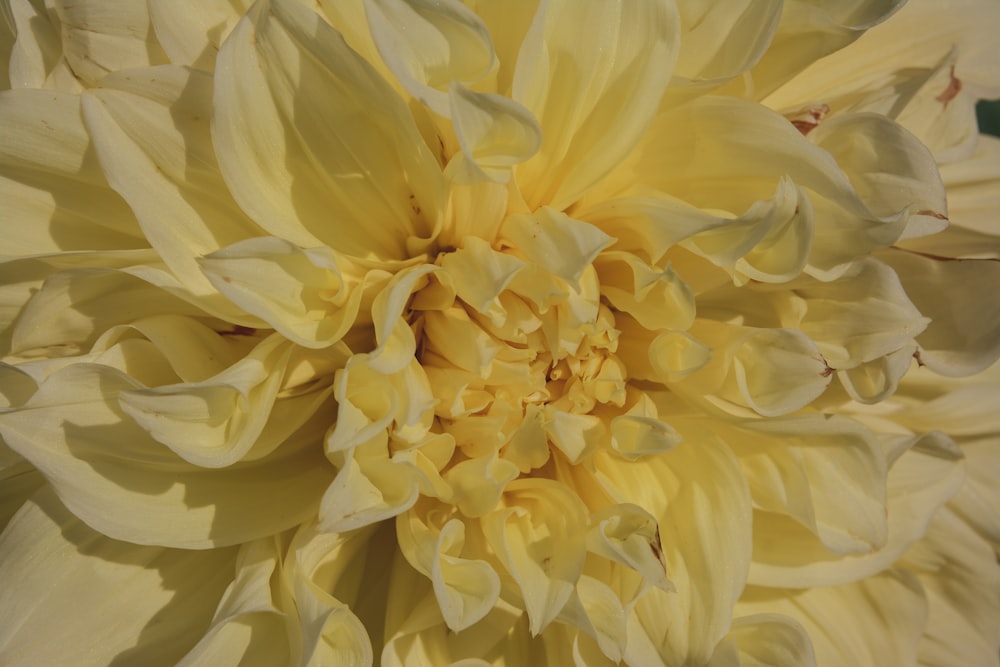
580,71
429,44
114,476
151,132
315,146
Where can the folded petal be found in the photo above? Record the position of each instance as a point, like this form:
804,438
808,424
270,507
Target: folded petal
192,31
51,182
117,478
151,132
314,145
429,44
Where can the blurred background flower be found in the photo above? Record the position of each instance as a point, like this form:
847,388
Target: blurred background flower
420,332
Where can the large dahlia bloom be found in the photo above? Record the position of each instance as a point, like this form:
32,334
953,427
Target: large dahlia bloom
421,332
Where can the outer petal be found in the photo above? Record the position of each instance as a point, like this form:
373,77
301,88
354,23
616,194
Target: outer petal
36,59
427,44
877,621
698,496
151,132
58,573
960,576
114,476
99,38
585,69
765,640
52,185
301,293
192,31
314,145
964,334
248,628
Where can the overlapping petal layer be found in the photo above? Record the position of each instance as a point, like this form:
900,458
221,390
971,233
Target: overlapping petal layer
472,333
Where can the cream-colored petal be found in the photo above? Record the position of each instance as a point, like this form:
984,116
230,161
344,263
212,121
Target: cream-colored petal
301,293
110,600
827,472
580,71
629,534
552,240
861,316
877,621
960,577
99,38
114,476
765,640
466,588
332,578
36,60
656,298
151,131
495,134
248,628
428,44
920,481
480,274
18,482
192,31
51,183
314,145
698,496
539,539
810,30
973,206
963,336
224,419
721,40
74,307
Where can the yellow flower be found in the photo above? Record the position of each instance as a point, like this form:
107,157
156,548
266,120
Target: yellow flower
419,332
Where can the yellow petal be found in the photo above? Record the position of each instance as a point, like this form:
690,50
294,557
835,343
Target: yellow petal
539,538
315,146
51,182
301,293
162,603
861,316
877,621
427,45
765,640
248,628
580,71
561,245
151,132
628,534
98,38
920,481
699,499
36,59
191,31
494,132
113,475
